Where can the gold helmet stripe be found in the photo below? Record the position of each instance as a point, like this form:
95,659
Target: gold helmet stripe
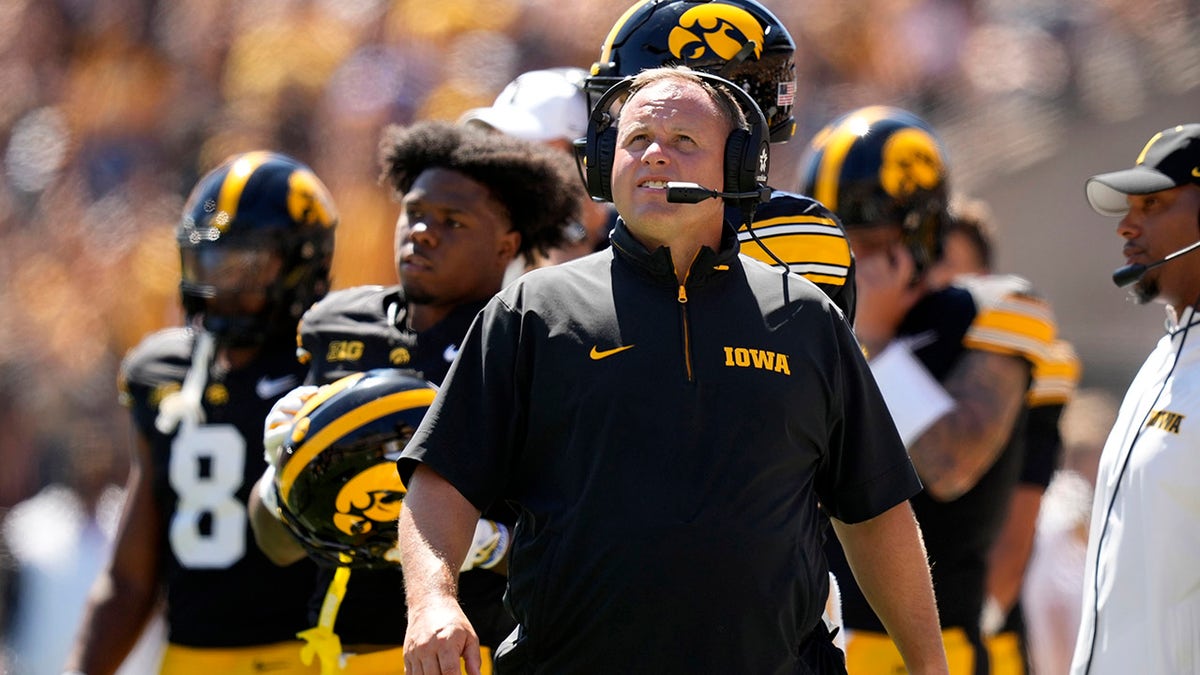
234,184
324,394
837,145
362,415
606,50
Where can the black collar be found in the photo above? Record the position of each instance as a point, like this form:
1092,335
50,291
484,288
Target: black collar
658,264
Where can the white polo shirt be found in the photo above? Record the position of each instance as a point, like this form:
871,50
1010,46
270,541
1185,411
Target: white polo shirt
1141,595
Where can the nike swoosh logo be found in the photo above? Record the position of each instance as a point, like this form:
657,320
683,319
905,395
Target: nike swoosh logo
596,354
268,387
450,354
1196,172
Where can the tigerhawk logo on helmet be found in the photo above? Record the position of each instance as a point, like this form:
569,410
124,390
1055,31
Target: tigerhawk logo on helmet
738,40
369,500
882,165
722,29
337,485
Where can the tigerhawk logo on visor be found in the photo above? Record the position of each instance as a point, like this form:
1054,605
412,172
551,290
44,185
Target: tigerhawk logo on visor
715,28
373,496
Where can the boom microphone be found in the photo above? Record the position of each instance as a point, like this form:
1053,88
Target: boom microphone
694,193
1128,274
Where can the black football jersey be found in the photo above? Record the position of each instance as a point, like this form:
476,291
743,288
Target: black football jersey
995,314
809,238
221,590
361,328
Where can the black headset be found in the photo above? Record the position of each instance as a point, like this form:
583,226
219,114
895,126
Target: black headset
747,157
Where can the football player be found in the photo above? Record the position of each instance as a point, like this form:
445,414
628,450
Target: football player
967,251
743,42
256,242
954,364
470,202
550,106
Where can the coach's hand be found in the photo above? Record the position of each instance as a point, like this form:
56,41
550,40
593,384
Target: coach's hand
441,641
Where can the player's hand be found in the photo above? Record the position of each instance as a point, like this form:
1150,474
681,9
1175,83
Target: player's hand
885,292
278,425
441,641
488,547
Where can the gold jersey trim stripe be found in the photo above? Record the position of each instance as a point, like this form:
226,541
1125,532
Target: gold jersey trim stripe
802,249
364,414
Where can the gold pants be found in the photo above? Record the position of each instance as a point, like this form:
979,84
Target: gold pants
281,658
1004,649
391,662
869,653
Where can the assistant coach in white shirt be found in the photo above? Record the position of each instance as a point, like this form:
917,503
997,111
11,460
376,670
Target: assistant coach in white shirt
1141,595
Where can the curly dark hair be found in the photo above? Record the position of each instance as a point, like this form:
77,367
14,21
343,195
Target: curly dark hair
536,183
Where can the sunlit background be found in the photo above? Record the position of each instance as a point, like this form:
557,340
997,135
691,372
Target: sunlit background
111,109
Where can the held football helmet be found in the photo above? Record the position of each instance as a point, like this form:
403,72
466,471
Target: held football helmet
881,165
337,485
256,243
738,40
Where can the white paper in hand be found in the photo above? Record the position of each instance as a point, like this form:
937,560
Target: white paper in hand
914,398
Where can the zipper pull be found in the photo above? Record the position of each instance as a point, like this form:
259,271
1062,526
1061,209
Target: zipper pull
682,294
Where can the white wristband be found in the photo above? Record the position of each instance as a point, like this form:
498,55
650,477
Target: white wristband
266,491
992,618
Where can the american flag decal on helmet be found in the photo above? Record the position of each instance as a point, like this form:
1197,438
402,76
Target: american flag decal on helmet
787,93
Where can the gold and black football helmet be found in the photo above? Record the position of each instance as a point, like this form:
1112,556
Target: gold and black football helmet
882,165
256,243
338,489
738,40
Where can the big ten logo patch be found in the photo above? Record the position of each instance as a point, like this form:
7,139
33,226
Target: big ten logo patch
344,350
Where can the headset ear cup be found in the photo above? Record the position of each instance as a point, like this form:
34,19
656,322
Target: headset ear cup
735,148
602,148
739,175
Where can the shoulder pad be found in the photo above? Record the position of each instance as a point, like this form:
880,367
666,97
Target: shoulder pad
1012,319
156,364
801,232
1055,377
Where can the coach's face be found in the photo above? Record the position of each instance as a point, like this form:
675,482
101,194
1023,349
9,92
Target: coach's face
670,130
1157,225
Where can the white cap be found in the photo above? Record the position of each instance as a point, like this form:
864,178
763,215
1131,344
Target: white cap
540,105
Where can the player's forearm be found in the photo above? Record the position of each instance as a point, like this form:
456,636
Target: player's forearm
272,537
957,450
888,559
113,621
1012,548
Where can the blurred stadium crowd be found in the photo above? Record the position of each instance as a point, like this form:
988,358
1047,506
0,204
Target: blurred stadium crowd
111,109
